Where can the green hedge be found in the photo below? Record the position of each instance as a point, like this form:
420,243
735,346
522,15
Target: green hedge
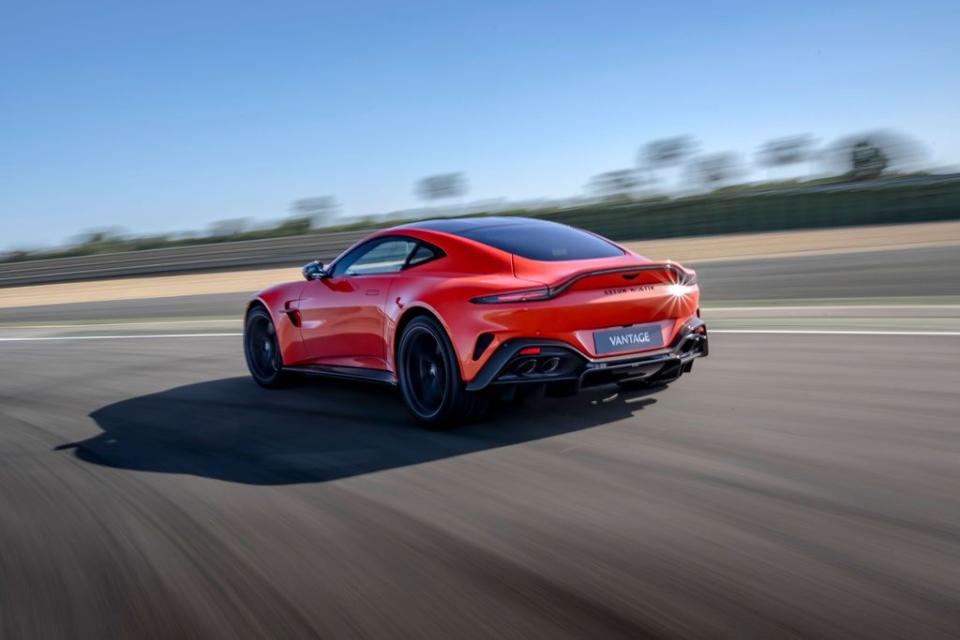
895,202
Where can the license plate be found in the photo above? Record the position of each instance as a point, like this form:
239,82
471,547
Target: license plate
635,338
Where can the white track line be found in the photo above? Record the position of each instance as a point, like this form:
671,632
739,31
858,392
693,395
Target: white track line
828,332
124,337
137,323
820,252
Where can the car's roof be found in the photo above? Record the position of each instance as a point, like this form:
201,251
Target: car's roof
457,226
529,238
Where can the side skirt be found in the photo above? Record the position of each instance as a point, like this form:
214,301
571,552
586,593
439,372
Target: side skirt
349,373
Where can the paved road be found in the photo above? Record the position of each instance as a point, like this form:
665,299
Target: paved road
215,305
792,486
875,274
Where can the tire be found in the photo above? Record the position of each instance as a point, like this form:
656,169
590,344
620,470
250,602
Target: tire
429,376
262,351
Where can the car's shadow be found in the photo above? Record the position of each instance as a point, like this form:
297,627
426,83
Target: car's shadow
232,430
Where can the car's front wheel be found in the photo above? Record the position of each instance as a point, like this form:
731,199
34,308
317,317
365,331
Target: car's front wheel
262,350
430,376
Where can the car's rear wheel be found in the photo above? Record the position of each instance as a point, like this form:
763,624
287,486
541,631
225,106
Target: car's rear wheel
430,376
262,350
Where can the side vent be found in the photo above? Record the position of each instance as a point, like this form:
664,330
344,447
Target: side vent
290,308
483,341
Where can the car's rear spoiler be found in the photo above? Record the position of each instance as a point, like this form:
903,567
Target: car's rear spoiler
680,275
671,273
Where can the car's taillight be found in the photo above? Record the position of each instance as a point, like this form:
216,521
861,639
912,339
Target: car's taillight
528,295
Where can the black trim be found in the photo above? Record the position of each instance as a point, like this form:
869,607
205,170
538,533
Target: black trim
437,254
369,245
350,373
686,347
507,351
528,246
483,341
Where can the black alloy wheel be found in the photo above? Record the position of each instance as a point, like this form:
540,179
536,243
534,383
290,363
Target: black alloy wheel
430,377
262,350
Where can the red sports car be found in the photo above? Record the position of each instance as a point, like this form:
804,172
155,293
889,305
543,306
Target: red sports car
452,310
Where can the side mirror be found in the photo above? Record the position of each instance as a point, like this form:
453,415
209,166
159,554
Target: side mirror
314,271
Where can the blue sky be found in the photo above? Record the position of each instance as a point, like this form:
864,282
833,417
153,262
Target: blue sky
169,116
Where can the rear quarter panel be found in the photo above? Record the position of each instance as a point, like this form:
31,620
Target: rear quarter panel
445,287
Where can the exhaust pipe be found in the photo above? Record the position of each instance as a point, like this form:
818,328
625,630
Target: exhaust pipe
550,365
526,367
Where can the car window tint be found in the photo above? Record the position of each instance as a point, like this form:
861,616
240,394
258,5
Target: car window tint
544,241
385,256
421,255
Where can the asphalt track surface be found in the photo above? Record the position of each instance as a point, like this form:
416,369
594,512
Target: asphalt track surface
791,486
874,274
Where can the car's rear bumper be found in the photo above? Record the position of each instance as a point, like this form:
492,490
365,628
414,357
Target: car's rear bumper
507,365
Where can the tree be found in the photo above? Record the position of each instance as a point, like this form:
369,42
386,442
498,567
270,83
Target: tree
16,255
318,210
99,236
294,226
614,185
867,161
785,151
444,185
229,227
866,156
715,169
666,152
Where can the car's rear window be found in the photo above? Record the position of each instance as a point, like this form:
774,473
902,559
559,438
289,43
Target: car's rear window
544,241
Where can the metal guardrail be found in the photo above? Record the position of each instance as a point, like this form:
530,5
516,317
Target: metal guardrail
289,251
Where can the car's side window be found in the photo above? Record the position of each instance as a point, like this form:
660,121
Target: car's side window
423,253
380,256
